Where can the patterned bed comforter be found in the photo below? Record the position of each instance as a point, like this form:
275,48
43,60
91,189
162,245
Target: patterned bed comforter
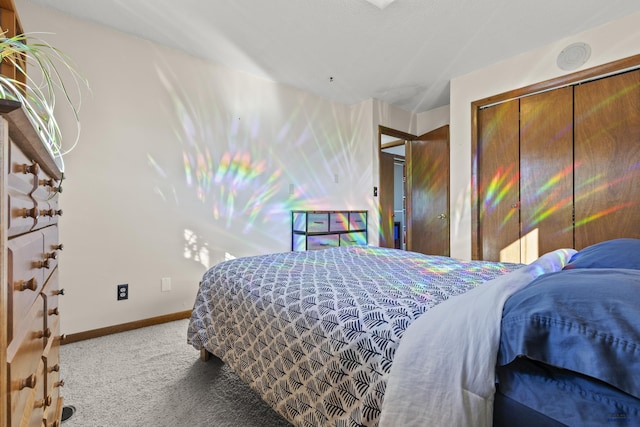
315,333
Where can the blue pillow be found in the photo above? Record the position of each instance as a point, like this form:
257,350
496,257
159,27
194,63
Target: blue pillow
583,320
617,253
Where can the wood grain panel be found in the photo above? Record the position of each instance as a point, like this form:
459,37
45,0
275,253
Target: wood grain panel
498,182
607,159
428,193
546,172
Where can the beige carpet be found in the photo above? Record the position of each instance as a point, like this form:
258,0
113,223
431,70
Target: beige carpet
152,377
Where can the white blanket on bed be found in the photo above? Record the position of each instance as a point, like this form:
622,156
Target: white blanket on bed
443,374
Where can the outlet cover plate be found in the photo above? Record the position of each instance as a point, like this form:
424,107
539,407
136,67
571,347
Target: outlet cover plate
123,292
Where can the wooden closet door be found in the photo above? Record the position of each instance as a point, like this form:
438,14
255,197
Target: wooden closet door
498,181
607,159
546,173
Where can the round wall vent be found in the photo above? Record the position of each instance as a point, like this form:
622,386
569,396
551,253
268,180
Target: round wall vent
574,56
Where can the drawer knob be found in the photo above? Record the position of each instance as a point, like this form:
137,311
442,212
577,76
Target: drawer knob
59,384
43,402
44,264
61,338
30,213
54,368
44,334
52,255
58,247
51,212
50,182
54,312
30,284
59,292
32,168
29,382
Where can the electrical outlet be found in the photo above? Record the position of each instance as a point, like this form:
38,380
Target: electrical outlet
123,292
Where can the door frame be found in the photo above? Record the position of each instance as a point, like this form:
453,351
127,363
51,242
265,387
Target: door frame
386,234
604,70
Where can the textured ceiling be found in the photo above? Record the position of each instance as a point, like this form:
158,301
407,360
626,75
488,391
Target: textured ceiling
403,52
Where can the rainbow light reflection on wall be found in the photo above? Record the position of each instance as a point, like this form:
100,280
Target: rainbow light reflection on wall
249,157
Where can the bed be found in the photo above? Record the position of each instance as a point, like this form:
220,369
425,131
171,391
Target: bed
366,336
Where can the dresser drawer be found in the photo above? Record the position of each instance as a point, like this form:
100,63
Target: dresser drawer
357,221
352,239
50,295
338,221
46,187
298,242
299,221
44,211
46,198
37,402
323,241
25,363
311,222
22,215
318,223
51,359
53,212
22,174
25,277
52,249
21,182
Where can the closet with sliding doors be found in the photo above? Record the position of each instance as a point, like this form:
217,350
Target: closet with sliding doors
558,164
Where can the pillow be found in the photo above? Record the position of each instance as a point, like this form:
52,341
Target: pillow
617,253
583,320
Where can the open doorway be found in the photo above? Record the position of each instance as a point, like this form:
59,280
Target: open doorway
414,213
392,193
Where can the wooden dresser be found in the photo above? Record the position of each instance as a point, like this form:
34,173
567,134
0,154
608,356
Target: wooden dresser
29,317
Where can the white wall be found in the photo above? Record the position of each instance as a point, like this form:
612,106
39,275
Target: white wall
182,163
432,119
616,40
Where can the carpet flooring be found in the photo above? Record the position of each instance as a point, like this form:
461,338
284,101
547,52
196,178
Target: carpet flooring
152,377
